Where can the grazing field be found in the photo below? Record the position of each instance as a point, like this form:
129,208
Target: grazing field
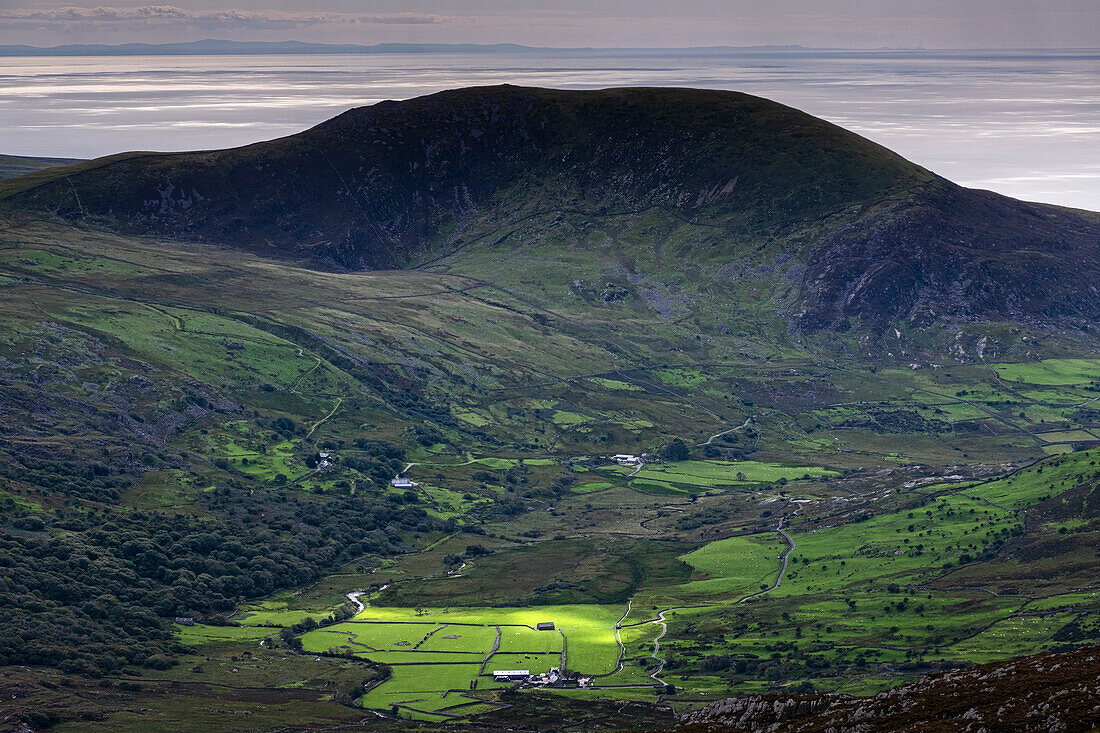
520,639
1051,371
461,638
734,566
902,548
1032,485
437,653
278,613
201,635
727,473
424,688
589,630
1067,436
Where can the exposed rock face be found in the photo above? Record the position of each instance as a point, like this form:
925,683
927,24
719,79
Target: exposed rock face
1046,692
763,712
950,251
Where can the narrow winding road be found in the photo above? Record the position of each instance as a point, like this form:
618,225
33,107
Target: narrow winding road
784,559
714,437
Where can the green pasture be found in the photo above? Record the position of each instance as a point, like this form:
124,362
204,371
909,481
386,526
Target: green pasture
421,657
66,262
274,612
1051,371
733,566
523,639
1007,638
224,352
728,473
615,384
591,487
1068,436
533,662
427,687
1047,478
469,639
589,629
1086,599
200,635
367,636
896,547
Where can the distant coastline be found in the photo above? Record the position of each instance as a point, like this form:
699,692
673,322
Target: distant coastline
211,47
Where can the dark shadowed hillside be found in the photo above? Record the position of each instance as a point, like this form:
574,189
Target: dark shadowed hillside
1046,692
383,186
951,252
400,183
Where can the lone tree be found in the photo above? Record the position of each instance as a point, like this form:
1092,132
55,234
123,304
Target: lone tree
675,451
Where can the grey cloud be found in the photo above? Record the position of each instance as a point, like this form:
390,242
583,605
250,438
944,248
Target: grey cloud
157,15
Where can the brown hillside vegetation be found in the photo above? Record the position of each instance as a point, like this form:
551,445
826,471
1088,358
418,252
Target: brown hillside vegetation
1045,692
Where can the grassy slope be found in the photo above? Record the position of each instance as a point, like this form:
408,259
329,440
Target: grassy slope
17,165
83,307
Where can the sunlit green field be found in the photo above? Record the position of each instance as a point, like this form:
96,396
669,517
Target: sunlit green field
1051,371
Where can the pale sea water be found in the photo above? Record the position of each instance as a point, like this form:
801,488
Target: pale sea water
1026,124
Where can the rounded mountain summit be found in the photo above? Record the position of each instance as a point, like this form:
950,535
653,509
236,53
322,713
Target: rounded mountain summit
401,184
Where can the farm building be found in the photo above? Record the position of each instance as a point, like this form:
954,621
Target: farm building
545,626
626,459
507,675
185,621
400,482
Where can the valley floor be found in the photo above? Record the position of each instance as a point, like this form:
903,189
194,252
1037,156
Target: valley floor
801,523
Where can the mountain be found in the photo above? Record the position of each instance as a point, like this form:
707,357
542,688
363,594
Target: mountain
740,402
870,237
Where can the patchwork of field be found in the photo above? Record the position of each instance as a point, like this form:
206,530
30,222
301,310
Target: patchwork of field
442,657
870,593
874,593
866,600
132,357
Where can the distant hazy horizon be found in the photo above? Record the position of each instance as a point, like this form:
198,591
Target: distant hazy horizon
1021,124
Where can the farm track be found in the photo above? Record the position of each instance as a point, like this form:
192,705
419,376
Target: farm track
339,401
663,622
785,557
311,370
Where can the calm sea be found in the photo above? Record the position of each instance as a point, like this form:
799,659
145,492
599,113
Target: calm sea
1023,123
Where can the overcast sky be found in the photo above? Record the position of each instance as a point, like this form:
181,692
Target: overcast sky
601,23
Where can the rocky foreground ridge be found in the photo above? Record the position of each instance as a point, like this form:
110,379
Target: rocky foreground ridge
1058,693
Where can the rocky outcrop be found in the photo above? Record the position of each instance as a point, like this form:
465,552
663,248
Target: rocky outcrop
1058,693
761,713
